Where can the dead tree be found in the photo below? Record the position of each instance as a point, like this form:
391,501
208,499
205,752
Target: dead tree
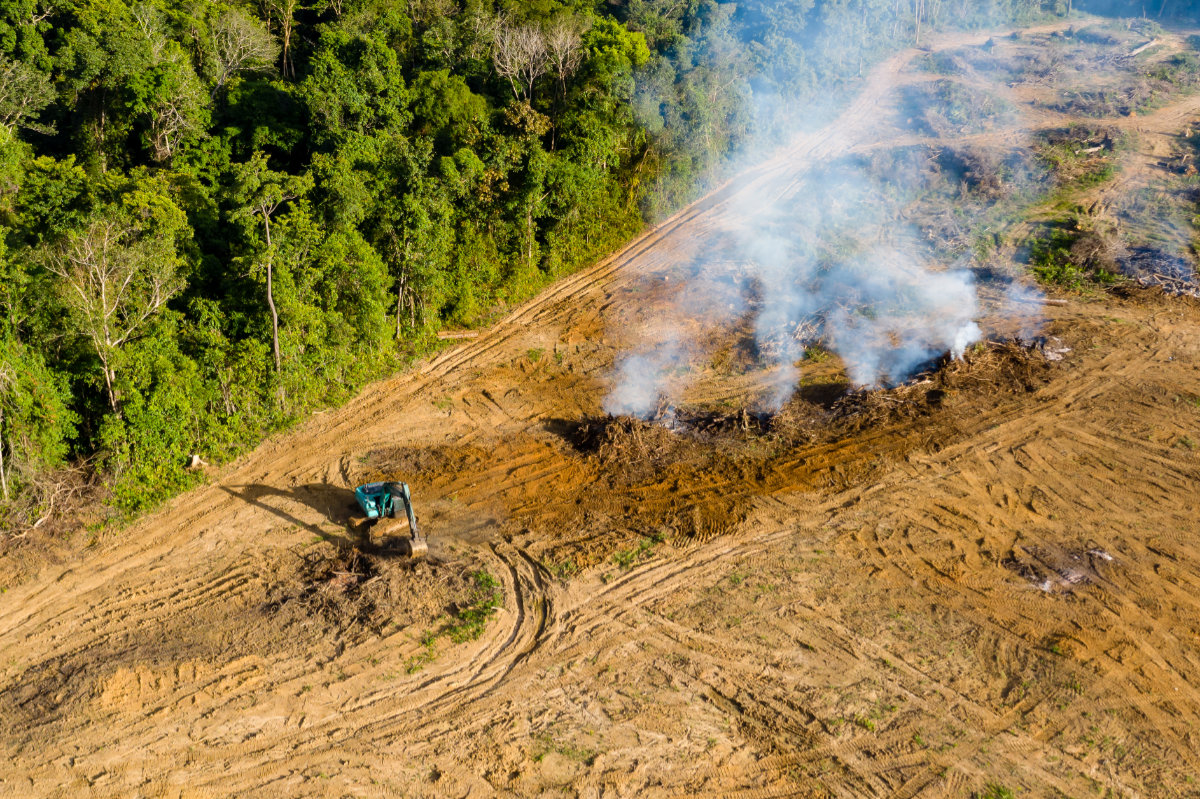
114,279
174,111
240,44
521,57
564,50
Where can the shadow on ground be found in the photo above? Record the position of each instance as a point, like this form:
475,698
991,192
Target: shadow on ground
336,506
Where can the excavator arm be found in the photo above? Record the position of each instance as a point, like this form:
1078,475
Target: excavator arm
401,495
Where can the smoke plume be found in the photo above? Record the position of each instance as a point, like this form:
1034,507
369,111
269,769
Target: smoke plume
825,262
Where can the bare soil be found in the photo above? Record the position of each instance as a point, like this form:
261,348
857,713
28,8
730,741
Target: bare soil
989,575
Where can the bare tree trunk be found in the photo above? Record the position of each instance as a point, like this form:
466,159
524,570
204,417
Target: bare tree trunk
287,50
399,303
286,23
104,353
402,256
271,294
529,234
112,395
3,473
274,318
227,395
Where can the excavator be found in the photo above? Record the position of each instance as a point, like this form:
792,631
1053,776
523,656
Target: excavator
381,502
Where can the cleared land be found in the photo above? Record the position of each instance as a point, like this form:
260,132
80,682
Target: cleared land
989,577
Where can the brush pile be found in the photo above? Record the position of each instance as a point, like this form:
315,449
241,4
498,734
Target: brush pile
346,589
1006,366
1059,569
998,366
617,439
738,422
1153,268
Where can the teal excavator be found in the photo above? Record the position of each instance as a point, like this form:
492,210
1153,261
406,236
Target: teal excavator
383,503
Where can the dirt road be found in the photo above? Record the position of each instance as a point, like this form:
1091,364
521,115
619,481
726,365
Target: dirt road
995,582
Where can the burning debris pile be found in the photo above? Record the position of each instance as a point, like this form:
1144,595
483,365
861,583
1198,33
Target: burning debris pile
671,432
998,366
741,421
617,439
623,438
1008,366
646,469
825,265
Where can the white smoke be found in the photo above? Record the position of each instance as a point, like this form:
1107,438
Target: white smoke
1023,304
826,264
906,316
644,378
821,255
656,371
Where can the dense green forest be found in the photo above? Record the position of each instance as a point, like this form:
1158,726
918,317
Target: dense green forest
217,217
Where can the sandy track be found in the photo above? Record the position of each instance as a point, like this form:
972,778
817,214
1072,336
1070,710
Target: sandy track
867,627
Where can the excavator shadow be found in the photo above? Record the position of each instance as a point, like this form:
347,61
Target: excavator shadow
335,505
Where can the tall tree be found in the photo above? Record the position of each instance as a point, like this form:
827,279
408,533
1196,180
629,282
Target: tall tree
113,277
34,420
282,13
259,192
24,92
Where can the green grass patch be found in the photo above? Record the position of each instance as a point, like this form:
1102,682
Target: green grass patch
628,558
426,656
1052,259
565,569
580,754
466,623
471,620
816,353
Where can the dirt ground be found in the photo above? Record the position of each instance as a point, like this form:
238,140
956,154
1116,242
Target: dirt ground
985,579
